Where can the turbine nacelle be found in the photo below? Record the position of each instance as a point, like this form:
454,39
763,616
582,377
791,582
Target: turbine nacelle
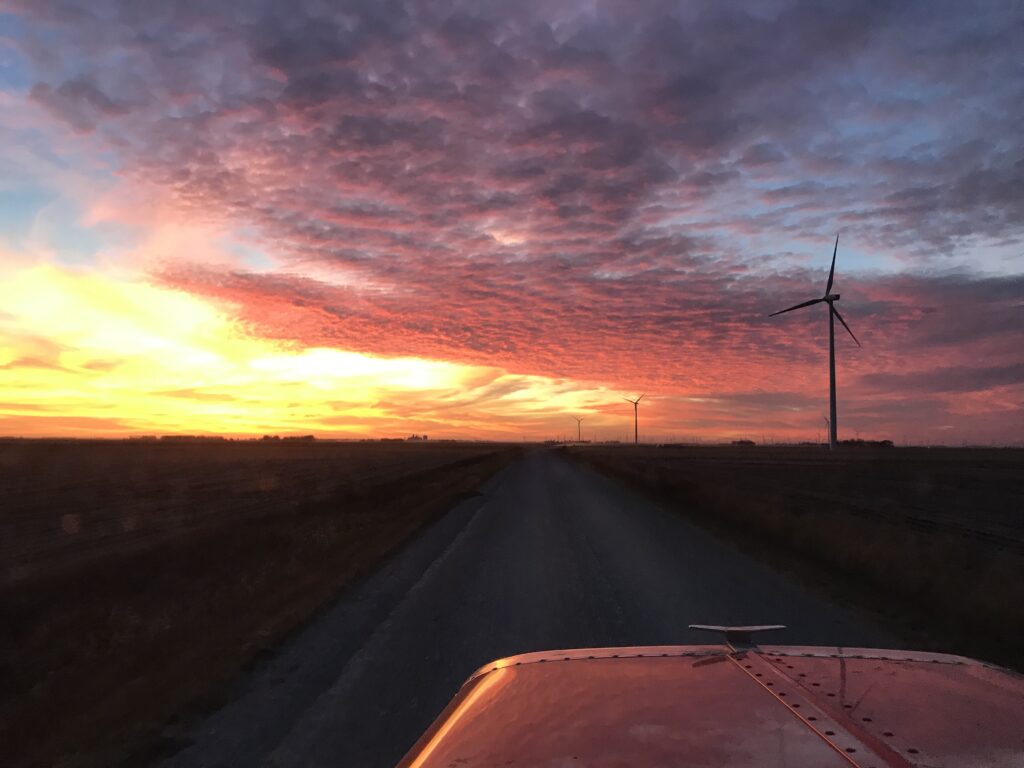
832,297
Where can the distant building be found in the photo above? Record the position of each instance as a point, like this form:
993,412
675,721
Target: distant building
416,438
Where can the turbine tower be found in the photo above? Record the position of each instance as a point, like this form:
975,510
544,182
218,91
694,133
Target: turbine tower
833,313
579,428
635,404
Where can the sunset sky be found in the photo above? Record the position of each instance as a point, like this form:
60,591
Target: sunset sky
480,219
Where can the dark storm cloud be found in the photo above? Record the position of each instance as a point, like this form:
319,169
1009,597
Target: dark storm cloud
561,187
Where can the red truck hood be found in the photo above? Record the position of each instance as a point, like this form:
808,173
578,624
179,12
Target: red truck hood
706,706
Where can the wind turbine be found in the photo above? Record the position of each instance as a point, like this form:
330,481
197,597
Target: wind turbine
635,404
830,299
579,428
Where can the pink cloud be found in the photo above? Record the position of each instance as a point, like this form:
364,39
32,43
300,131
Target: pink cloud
571,193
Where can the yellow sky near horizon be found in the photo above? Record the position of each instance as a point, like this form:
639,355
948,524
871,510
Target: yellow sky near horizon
87,354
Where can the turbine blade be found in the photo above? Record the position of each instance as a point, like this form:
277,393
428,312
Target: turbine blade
641,397
798,306
840,318
832,271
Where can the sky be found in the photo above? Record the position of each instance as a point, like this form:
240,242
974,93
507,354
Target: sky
484,219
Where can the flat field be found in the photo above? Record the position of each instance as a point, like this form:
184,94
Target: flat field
137,577
932,539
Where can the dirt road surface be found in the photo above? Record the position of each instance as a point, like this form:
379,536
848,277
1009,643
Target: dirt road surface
549,555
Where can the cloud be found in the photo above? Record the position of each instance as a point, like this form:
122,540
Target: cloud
948,379
78,102
559,118
610,192
196,394
691,331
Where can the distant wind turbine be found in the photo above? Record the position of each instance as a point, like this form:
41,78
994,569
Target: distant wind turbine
579,428
830,299
635,404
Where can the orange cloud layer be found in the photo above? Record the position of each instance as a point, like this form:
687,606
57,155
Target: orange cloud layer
83,354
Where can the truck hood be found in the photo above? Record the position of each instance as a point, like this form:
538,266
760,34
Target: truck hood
709,706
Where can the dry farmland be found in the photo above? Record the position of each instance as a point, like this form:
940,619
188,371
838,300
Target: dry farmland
137,577
930,539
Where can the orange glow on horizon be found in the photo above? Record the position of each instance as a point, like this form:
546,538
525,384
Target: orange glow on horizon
87,355
112,354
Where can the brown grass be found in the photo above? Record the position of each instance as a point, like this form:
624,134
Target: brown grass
931,541
141,577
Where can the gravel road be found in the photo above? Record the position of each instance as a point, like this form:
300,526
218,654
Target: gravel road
549,555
